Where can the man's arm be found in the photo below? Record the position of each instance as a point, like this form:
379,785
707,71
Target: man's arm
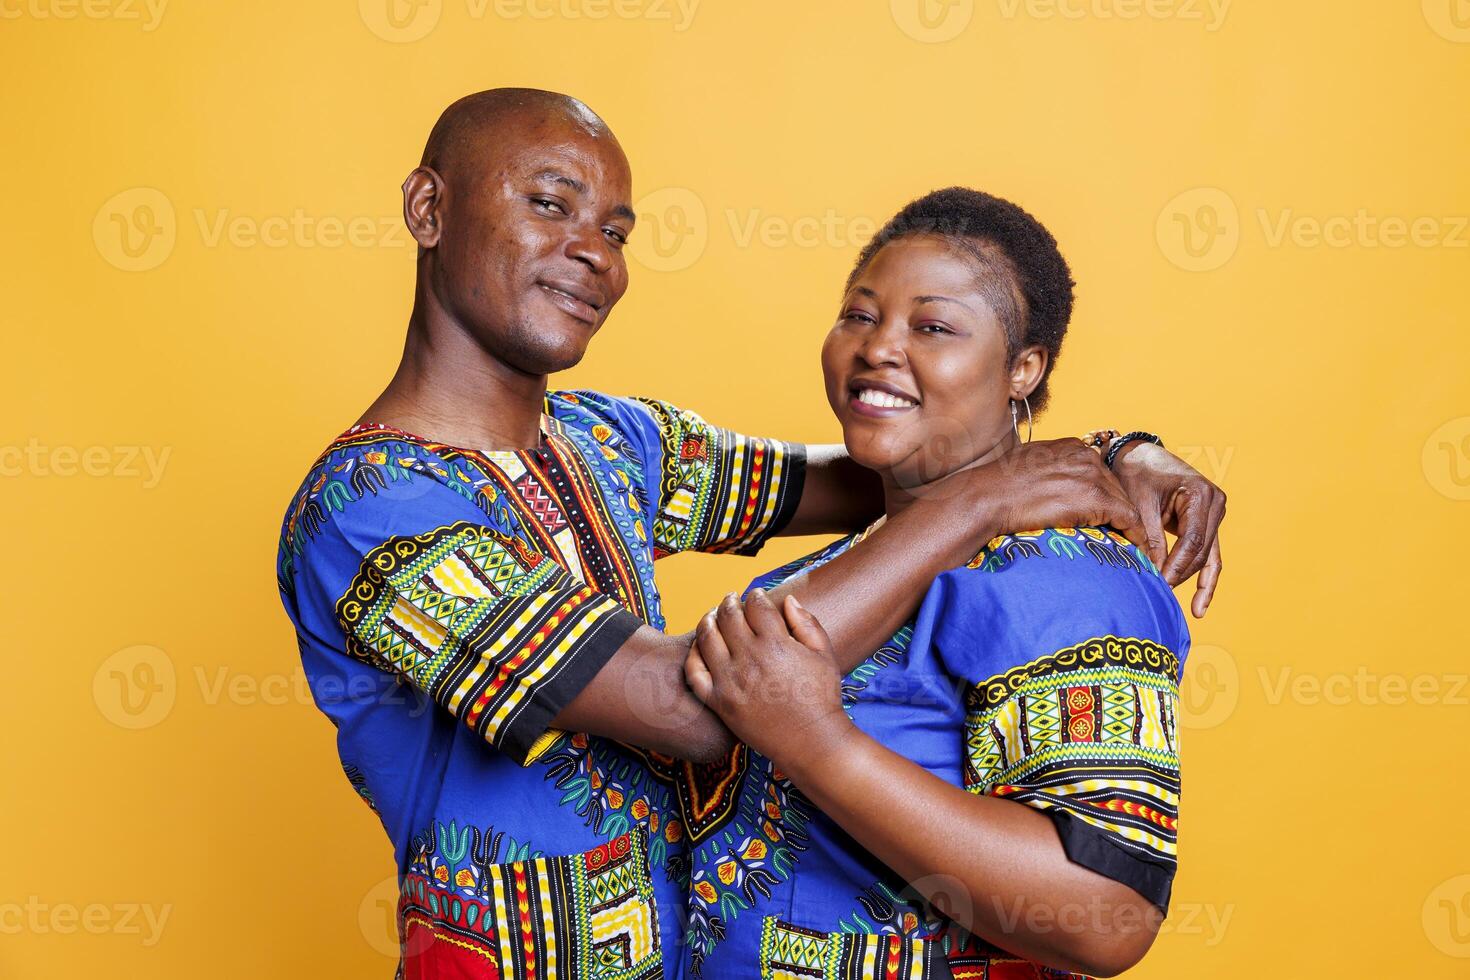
840,496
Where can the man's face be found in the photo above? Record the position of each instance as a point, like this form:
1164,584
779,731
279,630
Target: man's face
530,257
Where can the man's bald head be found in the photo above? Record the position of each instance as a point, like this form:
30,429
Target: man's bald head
522,208
496,113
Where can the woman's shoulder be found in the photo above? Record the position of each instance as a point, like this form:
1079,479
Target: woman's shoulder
1039,592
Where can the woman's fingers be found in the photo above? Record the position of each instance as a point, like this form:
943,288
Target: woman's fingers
804,627
696,674
712,648
762,615
730,618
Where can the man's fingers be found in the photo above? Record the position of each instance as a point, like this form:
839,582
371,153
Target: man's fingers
762,615
1193,520
697,676
1157,546
805,627
1204,592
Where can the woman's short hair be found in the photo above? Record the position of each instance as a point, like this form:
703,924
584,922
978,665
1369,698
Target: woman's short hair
1021,270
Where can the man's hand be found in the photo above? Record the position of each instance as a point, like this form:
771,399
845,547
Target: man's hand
1173,496
769,673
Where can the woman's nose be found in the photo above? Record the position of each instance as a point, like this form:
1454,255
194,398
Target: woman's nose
883,347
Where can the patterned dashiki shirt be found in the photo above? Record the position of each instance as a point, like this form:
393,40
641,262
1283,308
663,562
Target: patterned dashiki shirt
449,603
1045,672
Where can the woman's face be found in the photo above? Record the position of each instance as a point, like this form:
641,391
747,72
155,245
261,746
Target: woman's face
916,365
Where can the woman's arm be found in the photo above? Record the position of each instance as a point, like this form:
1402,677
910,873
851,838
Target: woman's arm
988,863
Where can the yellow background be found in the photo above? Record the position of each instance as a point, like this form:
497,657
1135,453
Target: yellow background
161,750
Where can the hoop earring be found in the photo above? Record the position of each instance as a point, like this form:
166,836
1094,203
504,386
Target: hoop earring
1015,418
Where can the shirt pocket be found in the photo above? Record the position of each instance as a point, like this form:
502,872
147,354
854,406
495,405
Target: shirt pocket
791,952
562,918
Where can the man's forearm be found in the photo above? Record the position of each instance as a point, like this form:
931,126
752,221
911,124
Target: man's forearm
865,594
837,497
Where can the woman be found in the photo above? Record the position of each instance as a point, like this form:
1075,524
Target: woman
1003,775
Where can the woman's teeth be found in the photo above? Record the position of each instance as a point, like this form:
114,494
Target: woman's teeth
882,399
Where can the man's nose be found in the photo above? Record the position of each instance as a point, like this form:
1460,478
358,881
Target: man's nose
590,247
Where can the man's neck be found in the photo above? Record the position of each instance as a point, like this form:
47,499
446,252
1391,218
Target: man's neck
450,389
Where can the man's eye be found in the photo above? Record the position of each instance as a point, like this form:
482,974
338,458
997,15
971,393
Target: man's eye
549,204
616,235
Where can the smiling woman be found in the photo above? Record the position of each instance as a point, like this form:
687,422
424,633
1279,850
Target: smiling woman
1012,749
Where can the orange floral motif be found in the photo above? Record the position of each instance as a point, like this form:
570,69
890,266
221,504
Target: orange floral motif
706,891
726,871
756,850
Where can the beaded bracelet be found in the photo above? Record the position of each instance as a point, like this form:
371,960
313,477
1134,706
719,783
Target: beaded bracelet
1119,442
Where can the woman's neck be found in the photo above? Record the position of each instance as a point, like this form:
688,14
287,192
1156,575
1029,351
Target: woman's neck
900,490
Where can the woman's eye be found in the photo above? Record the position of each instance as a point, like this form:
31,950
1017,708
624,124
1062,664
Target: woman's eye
933,328
857,316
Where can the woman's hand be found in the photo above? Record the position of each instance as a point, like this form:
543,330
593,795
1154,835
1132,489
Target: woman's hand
1173,496
769,673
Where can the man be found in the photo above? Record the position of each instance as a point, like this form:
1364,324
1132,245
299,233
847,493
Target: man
470,567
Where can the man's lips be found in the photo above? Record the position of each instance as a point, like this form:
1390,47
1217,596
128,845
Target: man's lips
573,298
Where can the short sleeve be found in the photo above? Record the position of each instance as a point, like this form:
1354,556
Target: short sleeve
425,584
719,491
1071,646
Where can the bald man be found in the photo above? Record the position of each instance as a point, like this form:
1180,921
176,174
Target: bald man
469,568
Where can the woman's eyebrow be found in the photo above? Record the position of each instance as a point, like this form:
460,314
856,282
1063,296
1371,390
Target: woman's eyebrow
942,299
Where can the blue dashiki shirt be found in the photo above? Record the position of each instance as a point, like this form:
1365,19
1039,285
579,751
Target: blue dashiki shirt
1045,672
449,603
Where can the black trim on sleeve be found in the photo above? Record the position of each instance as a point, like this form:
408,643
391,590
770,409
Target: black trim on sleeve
1096,850
594,649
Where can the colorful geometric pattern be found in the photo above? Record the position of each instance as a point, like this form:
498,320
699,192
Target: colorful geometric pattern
1089,731
588,916
719,488
789,952
472,621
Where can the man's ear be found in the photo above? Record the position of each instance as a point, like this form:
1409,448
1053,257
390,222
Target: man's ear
1027,370
423,200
